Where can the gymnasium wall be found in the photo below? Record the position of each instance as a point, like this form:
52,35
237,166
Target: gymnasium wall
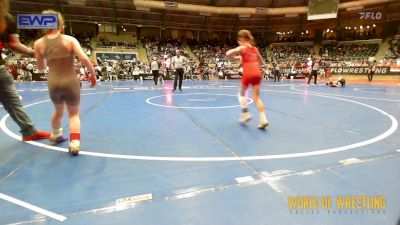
148,32
123,37
88,28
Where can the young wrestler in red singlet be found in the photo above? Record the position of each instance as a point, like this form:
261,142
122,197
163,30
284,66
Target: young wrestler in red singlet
251,62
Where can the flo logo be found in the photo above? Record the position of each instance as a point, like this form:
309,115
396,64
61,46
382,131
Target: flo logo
37,21
370,15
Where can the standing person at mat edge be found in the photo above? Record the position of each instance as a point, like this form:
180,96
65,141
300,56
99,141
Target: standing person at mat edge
276,72
8,94
314,71
251,62
177,63
371,70
154,66
59,50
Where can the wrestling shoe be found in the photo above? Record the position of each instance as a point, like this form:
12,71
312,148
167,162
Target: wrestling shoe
55,139
245,117
263,124
37,136
74,150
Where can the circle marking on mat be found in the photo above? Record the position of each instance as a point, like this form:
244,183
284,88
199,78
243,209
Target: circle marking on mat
387,133
148,101
344,96
396,92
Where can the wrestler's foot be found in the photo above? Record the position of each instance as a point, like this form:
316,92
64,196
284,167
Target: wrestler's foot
74,150
263,124
55,139
37,136
74,145
245,117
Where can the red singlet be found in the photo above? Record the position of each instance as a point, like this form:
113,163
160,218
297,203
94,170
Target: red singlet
251,67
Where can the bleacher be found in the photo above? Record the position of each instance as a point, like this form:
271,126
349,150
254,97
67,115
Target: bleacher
394,50
211,52
110,44
163,49
106,41
350,52
291,53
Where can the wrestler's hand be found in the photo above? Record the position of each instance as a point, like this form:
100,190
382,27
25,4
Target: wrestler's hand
93,81
32,53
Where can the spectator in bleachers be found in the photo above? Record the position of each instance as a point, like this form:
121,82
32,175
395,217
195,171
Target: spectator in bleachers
291,53
394,50
357,53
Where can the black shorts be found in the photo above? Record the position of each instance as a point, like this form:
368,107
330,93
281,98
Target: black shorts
314,73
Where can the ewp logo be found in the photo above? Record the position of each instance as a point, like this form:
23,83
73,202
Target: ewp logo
37,21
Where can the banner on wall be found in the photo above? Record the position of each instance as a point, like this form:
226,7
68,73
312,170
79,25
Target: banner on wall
146,76
234,76
385,70
116,56
395,69
359,70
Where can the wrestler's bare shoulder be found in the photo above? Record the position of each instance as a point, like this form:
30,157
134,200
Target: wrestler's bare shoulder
69,38
39,42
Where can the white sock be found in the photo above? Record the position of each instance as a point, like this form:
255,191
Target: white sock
263,118
74,143
242,101
57,132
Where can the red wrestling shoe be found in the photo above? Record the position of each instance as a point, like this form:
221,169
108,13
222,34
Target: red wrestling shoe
37,136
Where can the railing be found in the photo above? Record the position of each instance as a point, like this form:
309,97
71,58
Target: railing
306,43
361,42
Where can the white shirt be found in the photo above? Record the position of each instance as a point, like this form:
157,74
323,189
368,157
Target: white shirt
168,63
29,66
315,66
136,71
154,65
178,62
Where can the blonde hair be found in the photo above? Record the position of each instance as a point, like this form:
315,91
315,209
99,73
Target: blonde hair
246,35
60,21
4,7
